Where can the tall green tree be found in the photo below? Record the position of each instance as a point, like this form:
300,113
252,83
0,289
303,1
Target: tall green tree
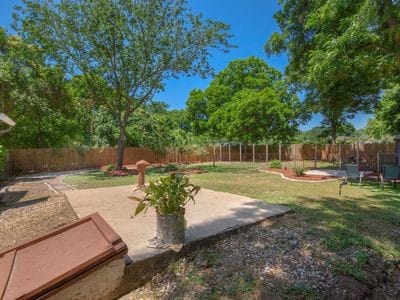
248,102
377,131
339,52
123,49
387,113
150,128
34,95
321,134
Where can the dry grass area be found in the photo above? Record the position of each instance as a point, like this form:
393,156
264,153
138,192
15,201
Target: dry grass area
29,209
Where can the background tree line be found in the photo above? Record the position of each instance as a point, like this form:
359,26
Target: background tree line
85,73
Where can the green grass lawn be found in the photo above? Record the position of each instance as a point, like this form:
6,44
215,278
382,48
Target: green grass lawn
364,216
362,219
97,179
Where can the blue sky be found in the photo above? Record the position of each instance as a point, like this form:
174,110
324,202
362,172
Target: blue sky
251,24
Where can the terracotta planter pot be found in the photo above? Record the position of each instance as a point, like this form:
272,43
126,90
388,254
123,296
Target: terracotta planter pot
170,228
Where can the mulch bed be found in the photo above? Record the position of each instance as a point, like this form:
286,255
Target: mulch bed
289,173
29,209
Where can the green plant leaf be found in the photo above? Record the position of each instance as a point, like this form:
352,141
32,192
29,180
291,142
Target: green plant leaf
168,195
141,206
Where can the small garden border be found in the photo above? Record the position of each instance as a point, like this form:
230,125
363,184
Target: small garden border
298,180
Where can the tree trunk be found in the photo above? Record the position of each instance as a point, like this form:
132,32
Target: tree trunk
213,156
387,14
121,148
334,132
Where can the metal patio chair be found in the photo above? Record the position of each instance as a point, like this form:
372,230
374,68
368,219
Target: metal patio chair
389,172
352,173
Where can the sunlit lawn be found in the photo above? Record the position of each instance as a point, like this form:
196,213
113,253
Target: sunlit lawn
363,217
97,179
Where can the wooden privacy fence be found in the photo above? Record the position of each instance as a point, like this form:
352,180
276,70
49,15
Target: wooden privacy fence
40,160
365,154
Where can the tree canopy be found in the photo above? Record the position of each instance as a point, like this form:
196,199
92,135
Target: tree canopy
35,96
340,52
85,73
387,113
248,102
123,49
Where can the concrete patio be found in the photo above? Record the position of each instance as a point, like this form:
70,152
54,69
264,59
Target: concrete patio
214,213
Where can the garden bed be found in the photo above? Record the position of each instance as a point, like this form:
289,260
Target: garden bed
290,174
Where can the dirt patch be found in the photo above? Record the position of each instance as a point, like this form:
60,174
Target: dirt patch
289,173
29,209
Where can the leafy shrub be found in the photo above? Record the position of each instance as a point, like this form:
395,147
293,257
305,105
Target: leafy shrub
168,195
110,167
275,164
299,171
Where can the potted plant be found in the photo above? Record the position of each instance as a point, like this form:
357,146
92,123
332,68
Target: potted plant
168,196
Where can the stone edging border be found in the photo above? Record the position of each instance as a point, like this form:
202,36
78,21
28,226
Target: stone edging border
61,180
298,180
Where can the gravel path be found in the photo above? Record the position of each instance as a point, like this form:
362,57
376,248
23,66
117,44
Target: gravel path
30,208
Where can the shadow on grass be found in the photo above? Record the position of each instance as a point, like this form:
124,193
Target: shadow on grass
371,221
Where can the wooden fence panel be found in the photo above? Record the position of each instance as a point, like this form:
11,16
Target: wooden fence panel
273,152
40,160
286,152
259,152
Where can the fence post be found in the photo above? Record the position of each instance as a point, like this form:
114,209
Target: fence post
213,154
229,152
294,153
240,152
220,152
377,162
280,152
315,156
358,153
254,153
175,156
340,156
266,153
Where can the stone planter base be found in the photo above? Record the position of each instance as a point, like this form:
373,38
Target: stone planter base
170,231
